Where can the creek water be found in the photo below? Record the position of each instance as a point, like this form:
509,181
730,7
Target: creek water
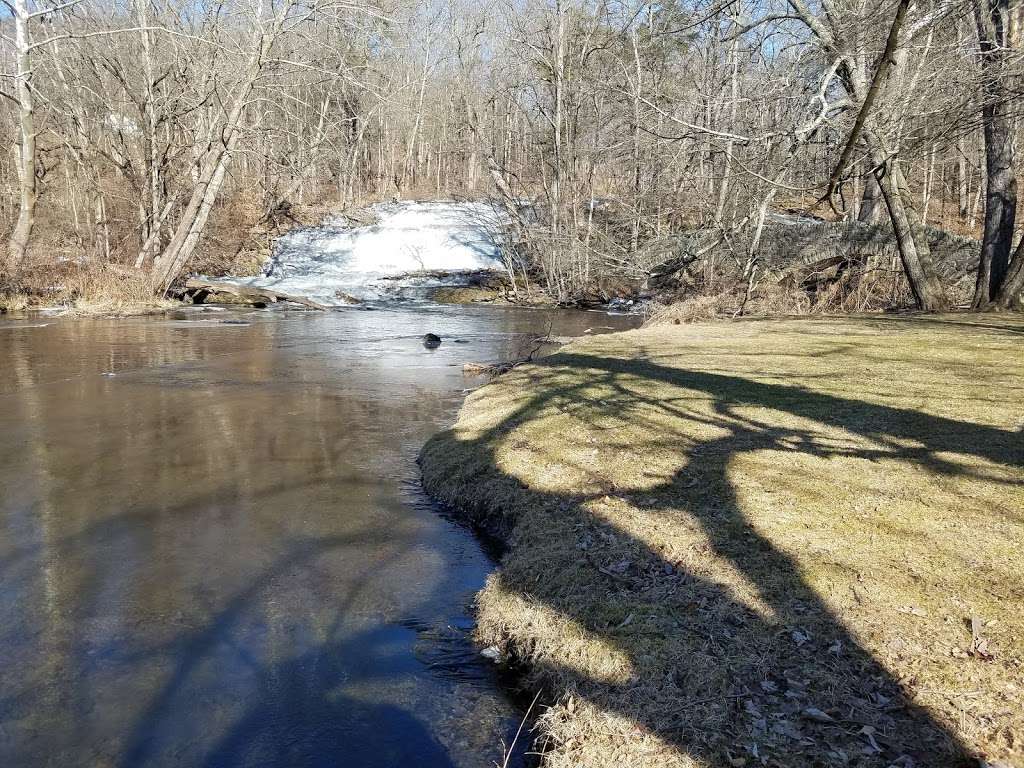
214,548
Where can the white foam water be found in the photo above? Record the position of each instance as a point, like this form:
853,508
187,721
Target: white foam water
410,239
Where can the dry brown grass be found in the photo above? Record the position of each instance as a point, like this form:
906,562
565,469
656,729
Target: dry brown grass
768,300
864,289
83,288
759,542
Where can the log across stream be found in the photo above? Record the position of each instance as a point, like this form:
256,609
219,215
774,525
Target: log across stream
200,290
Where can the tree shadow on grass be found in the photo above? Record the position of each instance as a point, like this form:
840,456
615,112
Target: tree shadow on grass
710,671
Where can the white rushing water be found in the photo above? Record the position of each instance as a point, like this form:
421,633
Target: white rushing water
328,262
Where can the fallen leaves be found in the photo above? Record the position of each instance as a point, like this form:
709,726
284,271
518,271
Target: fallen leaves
817,715
979,645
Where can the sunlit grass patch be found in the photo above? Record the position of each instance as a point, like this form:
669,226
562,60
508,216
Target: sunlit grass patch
796,540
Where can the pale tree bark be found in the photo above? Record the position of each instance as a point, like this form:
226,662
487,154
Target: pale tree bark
962,181
558,74
871,203
26,163
153,223
409,169
1011,292
637,170
723,188
911,239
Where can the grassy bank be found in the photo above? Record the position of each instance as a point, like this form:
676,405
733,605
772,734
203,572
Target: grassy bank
765,542
82,289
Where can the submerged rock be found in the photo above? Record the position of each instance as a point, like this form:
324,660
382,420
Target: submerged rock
493,653
431,341
347,298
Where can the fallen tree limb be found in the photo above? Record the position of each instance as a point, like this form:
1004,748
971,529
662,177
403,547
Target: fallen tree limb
496,369
200,289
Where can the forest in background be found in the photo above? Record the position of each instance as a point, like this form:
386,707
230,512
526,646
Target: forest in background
682,144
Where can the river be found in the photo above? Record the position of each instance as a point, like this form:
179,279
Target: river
214,548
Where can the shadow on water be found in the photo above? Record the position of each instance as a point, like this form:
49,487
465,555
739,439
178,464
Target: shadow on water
213,553
300,713
721,692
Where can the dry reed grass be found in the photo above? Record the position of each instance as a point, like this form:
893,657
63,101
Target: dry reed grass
82,288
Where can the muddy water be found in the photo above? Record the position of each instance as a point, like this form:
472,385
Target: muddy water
213,546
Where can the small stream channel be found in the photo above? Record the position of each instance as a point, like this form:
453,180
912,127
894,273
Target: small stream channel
214,548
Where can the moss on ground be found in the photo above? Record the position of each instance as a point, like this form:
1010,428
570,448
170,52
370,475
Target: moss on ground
780,542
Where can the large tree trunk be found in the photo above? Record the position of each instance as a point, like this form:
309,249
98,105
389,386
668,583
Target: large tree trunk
911,239
169,264
871,204
1000,204
907,226
1011,292
993,20
28,191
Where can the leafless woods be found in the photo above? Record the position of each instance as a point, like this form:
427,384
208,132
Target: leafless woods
648,138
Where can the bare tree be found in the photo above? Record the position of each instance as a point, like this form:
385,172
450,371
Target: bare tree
25,100
999,282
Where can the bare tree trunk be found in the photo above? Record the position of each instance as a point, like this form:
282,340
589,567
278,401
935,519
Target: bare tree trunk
962,181
152,225
929,185
871,203
911,241
993,19
555,192
634,240
27,187
711,264
910,236
1011,292
409,168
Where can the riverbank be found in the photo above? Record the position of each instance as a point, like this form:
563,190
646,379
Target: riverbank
769,540
109,300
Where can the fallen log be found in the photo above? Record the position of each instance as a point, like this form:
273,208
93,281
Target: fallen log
199,290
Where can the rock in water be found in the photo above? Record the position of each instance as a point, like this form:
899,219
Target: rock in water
431,341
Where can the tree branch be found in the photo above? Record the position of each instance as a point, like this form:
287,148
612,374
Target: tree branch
881,69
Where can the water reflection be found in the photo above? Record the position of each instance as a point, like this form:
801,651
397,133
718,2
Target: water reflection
212,548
